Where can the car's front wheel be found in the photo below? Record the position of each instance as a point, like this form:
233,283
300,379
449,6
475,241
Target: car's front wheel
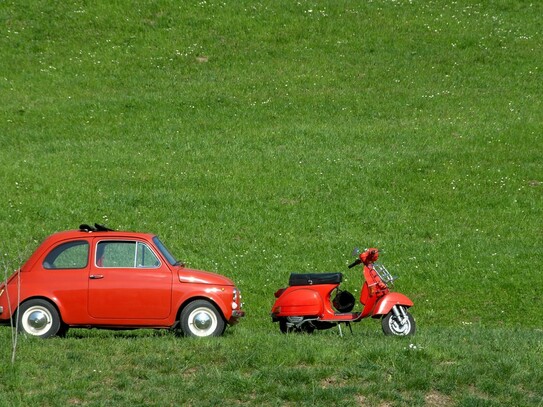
201,318
38,318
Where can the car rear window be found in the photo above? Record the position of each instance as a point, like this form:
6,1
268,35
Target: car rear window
69,255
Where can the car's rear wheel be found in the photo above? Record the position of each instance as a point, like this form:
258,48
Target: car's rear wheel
201,318
38,318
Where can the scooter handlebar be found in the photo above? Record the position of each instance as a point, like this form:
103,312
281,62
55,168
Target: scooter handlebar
355,263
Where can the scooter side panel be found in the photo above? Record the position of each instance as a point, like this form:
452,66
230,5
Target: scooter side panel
298,302
385,303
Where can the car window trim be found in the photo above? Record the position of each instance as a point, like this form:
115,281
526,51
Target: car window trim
121,240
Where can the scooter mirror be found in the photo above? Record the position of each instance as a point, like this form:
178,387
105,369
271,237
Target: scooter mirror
356,252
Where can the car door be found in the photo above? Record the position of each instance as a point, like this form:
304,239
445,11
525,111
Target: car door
128,281
62,275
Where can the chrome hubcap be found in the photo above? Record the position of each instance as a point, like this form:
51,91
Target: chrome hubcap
37,320
202,320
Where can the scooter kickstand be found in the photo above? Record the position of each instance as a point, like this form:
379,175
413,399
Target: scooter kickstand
340,332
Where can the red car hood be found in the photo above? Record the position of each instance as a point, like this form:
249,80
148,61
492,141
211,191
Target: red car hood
187,275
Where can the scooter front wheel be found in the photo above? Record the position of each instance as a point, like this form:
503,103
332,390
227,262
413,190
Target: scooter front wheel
399,324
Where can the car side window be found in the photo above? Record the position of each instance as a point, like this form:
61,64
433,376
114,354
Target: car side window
125,254
70,255
145,256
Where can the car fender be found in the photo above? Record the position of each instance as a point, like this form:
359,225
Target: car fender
385,303
221,297
18,291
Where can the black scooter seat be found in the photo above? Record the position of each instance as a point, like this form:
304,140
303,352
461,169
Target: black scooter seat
315,278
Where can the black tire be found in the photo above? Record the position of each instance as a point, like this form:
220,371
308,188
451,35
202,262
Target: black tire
393,326
307,328
200,318
283,326
38,318
63,330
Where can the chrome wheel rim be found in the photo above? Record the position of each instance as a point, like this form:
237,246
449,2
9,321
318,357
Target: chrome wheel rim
202,322
37,320
399,325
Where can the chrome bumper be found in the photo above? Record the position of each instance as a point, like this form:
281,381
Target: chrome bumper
238,313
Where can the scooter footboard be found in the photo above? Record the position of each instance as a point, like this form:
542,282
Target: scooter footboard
385,303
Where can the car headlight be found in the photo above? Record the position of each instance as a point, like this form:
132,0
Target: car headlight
236,298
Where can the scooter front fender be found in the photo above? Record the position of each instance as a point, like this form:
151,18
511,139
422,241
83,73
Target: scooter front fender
385,303
298,302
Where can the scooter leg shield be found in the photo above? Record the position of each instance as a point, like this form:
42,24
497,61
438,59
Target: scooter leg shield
385,303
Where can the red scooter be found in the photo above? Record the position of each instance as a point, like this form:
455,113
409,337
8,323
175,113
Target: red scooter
314,301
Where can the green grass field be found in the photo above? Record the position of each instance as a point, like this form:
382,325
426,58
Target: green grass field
264,138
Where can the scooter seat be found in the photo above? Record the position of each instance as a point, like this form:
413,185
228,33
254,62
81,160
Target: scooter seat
315,278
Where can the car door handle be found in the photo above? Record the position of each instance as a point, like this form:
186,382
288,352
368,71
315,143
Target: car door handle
96,276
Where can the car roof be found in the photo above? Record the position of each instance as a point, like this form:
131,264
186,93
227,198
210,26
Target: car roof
82,233
71,234
79,233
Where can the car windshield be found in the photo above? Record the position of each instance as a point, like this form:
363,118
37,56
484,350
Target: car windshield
165,252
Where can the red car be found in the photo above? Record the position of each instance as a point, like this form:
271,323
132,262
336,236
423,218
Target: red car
97,277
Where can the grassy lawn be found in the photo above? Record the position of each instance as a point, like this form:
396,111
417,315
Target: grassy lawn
440,367
264,138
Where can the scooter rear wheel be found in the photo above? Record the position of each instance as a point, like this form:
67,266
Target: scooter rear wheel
286,327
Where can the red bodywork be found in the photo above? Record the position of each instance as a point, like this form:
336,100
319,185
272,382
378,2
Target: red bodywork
314,301
92,294
375,294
